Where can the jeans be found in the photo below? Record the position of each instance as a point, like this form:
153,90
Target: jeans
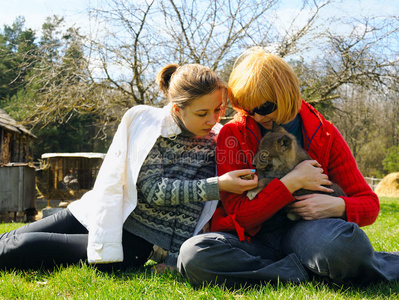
61,239
330,248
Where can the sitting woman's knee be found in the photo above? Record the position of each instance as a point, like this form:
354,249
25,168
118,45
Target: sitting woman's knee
344,255
192,259
352,240
188,251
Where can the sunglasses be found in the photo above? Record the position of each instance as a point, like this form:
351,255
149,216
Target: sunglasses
264,109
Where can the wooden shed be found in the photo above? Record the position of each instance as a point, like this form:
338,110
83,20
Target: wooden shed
67,176
17,191
17,174
16,142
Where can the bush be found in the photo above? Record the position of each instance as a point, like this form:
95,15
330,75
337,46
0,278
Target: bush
391,160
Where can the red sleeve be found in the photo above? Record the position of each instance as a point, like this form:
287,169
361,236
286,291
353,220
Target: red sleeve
362,204
233,153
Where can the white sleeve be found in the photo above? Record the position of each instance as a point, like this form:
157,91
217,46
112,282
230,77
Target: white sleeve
106,218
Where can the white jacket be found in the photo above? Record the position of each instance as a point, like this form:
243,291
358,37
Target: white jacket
104,209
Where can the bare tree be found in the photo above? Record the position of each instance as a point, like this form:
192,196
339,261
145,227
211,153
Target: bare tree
130,40
57,84
121,51
355,85
364,118
363,57
137,38
208,33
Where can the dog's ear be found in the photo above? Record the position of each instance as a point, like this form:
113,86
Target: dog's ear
285,142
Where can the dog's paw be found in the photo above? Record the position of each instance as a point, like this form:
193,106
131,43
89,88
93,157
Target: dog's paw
251,194
293,216
247,177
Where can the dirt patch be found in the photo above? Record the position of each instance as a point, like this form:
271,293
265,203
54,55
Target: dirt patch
389,186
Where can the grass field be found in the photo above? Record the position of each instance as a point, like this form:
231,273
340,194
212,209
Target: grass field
85,282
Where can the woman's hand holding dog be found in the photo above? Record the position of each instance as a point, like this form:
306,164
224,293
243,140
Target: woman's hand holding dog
307,175
234,183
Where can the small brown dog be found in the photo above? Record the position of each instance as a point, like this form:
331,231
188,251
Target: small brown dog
277,155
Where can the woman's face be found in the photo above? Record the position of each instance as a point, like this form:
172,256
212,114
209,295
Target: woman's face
267,120
202,114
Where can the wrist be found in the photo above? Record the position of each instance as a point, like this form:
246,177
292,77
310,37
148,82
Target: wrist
291,182
220,184
342,209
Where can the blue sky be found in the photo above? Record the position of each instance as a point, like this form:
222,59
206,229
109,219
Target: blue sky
74,11
36,11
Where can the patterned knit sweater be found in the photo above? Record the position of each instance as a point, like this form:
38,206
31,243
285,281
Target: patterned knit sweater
174,180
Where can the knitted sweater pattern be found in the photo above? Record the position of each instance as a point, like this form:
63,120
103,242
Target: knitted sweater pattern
175,179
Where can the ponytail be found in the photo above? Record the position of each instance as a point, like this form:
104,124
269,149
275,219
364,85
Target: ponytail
164,77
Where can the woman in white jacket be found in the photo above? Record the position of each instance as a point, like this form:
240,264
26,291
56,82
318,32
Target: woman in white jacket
156,185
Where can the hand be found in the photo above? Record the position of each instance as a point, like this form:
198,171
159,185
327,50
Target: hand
318,206
233,183
307,175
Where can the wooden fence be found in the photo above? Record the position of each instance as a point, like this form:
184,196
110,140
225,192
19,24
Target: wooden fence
373,182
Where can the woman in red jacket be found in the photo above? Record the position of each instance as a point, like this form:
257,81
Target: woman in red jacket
252,240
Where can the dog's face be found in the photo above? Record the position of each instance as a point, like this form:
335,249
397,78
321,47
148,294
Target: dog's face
275,150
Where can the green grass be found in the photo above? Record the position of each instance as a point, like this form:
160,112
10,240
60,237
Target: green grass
85,282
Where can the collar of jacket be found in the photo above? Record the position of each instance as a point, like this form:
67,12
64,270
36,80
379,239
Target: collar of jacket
317,132
169,128
313,125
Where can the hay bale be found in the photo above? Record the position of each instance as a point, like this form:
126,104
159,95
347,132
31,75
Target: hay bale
389,186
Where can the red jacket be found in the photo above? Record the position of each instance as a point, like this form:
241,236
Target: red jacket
238,142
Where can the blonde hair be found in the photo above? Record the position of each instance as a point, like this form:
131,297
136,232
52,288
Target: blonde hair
260,77
183,84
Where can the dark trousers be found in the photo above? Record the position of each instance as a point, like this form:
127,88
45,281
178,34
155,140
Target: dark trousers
61,239
328,248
